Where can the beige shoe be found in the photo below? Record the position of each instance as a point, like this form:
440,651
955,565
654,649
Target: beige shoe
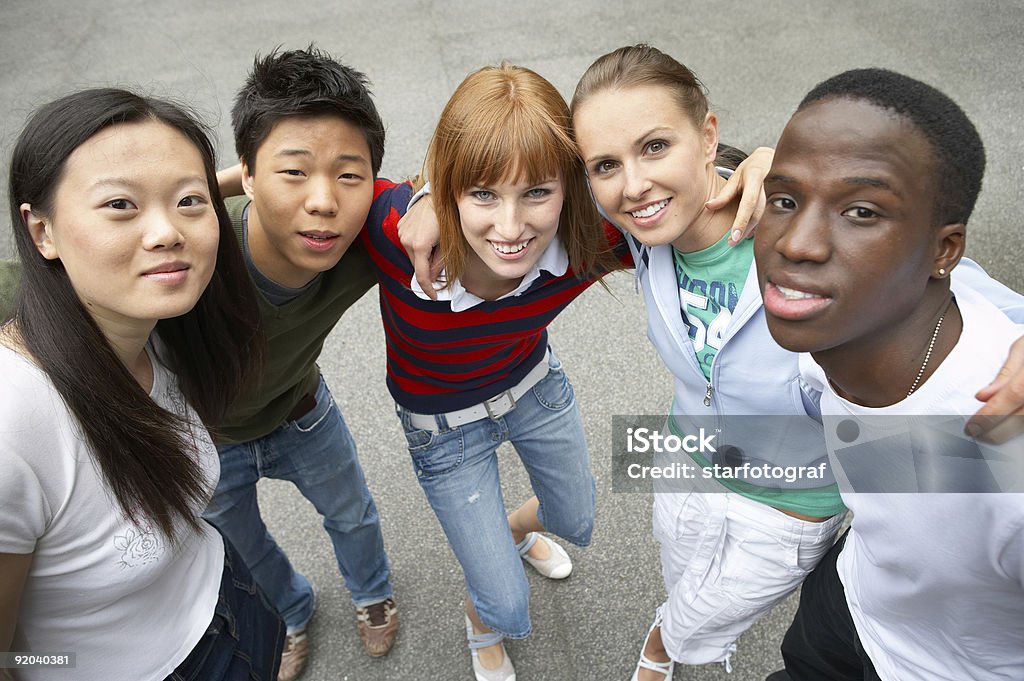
558,565
504,672
294,657
378,626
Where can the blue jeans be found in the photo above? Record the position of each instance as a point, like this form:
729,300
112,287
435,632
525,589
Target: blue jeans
318,455
245,637
458,470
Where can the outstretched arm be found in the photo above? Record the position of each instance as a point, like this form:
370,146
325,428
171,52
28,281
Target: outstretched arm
1001,417
747,182
230,180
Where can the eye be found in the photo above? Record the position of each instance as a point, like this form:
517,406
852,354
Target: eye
293,172
655,146
120,204
604,167
482,195
192,201
860,213
538,192
351,177
782,202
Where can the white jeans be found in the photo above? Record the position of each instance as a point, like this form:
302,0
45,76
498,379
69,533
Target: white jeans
726,561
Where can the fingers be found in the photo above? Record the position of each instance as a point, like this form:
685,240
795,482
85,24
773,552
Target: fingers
427,271
747,184
751,208
1000,419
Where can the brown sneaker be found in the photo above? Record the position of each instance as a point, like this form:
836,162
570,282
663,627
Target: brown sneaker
378,625
293,659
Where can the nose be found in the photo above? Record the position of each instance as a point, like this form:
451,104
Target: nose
321,199
510,223
803,236
637,185
161,232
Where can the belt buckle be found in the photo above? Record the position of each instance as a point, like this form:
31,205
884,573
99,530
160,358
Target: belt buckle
499,412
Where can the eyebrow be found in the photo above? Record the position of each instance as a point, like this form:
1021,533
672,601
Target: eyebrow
637,141
344,158
871,182
854,180
131,183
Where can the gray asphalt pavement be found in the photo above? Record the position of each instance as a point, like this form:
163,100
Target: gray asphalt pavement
757,60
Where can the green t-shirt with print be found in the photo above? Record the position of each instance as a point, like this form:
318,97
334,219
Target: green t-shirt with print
710,283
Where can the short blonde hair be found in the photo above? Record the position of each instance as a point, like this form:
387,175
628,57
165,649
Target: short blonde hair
506,123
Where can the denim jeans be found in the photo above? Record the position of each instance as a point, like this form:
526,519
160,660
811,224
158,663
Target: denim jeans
318,455
245,637
458,470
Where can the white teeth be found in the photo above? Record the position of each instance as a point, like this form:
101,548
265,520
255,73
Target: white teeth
650,210
509,249
314,237
793,294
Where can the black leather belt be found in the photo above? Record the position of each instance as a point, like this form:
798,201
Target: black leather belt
304,406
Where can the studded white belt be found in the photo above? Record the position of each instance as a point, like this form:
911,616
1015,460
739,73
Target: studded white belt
497,406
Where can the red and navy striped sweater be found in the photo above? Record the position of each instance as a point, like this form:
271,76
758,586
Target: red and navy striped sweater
439,360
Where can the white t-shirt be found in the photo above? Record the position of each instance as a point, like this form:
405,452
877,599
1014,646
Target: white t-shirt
128,604
934,581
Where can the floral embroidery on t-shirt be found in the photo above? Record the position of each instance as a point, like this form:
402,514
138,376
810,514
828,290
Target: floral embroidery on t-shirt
138,547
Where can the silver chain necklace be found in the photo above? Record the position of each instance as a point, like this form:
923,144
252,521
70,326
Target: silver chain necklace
931,346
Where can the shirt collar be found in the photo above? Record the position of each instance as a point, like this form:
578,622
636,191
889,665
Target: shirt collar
554,260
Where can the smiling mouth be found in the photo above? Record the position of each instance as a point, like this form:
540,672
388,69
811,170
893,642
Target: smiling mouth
650,210
507,248
793,304
795,294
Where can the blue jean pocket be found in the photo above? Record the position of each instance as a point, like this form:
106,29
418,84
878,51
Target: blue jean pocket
435,454
315,416
554,391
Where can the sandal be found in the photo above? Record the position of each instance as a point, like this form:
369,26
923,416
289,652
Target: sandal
645,662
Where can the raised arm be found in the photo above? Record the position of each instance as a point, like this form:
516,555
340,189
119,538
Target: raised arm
419,233
1002,417
747,182
230,180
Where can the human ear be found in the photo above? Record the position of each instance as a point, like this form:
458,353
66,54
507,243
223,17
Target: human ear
39,229
247,180
709,133
950,241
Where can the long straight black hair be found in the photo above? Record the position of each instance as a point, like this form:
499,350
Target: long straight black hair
146,453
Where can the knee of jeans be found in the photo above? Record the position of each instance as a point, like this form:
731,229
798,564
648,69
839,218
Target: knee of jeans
351,514
509,614
572,522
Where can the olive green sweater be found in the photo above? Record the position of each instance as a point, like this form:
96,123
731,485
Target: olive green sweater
295,335
10,274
